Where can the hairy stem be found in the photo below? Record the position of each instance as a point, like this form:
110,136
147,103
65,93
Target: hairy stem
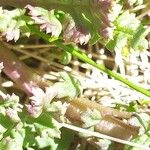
82,56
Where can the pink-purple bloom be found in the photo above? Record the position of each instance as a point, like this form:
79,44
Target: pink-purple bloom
40,100
46,19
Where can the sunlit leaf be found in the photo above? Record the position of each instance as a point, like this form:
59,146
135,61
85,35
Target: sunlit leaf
70,87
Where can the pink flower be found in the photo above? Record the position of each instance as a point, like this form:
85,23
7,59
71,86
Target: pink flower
46,19
71,33
12,33
40,100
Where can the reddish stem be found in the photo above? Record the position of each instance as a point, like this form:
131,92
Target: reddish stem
21,74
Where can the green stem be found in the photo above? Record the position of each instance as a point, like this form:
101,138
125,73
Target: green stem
82,56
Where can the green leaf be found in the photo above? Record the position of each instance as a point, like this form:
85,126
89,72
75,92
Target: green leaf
138,42
144,120
42,131
118,43
29,139
67,137
70,87
94,38
133,107
42,142
65,58
141,120
127,22
44,120
5,121
130,26
10,23
143,139
13,142
90,118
